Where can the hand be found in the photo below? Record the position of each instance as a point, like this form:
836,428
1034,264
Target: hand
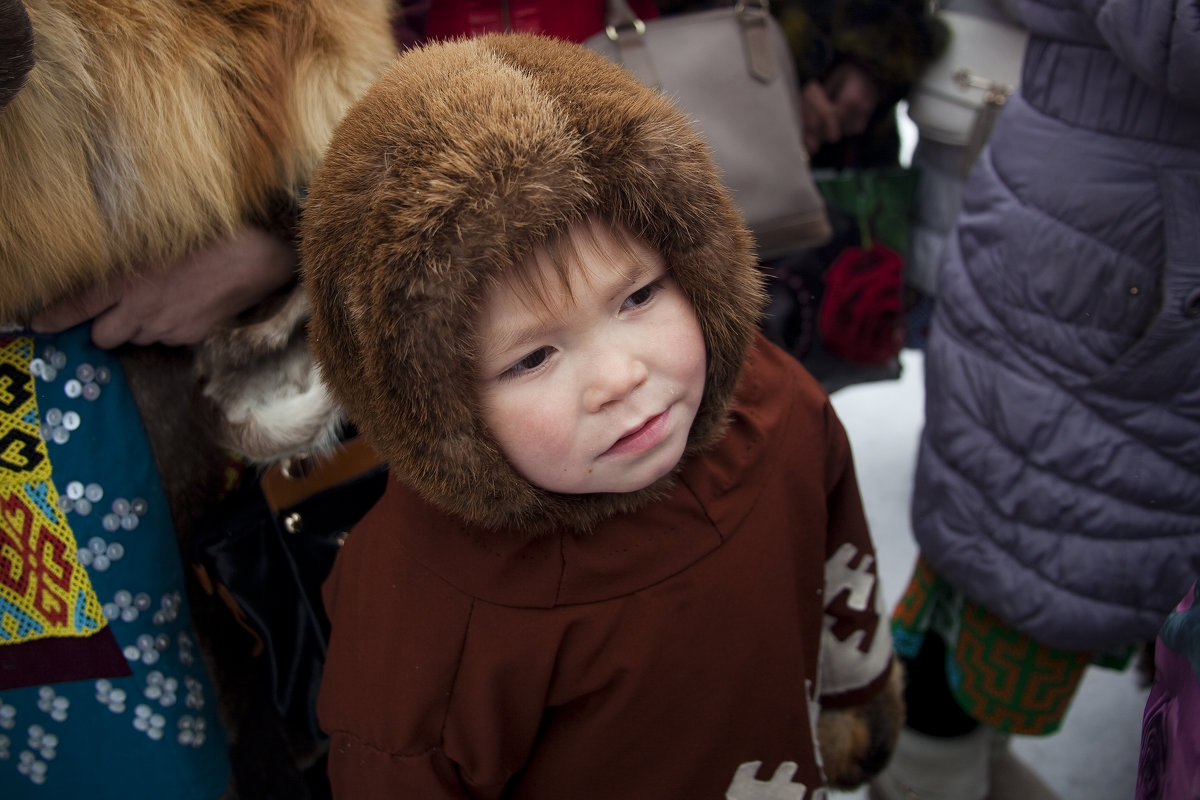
819,117
183,302
842,105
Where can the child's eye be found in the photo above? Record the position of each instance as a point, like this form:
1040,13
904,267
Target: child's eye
528,363
643,295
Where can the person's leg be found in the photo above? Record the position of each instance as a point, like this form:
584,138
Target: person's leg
1010,778
946,754
942,752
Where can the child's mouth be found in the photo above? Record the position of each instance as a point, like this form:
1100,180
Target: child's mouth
639,441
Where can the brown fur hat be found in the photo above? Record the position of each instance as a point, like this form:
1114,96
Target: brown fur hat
461,159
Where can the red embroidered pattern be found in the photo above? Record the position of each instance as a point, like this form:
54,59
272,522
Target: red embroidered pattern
43,590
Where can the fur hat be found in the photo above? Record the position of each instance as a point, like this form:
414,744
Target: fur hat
455,165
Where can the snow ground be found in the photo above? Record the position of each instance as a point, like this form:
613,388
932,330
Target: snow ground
1094,756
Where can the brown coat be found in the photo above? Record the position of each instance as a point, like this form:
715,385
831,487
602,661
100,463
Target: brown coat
653,659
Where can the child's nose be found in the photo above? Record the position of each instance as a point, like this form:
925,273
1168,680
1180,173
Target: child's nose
614,374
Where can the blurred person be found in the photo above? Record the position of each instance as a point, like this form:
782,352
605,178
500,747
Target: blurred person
152,154
1169,762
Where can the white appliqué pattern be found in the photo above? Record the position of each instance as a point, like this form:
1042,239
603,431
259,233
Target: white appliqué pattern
746,786
849,661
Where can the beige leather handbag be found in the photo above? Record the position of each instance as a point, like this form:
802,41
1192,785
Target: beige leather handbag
731,71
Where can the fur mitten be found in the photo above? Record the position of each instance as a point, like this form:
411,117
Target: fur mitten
857,742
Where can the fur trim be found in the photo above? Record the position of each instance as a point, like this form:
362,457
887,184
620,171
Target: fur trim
857,742
461,159
262,377
148,126
16,48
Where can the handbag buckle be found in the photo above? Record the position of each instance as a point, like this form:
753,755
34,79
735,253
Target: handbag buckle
741,7
613,32
995,93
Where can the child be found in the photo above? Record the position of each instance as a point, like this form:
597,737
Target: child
622,554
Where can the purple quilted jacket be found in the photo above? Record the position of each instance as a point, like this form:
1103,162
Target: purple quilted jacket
1058,480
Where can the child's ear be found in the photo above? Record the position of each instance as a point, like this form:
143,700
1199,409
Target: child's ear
857,742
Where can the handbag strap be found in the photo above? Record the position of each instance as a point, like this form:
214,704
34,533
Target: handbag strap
627,31
995,95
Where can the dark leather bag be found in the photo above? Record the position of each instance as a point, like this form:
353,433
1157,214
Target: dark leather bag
267,550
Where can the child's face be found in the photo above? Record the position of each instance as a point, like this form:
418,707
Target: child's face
595,389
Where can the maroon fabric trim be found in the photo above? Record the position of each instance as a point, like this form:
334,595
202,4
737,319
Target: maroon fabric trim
58,660
859,696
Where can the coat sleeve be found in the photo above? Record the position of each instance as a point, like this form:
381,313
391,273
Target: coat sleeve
856,644
1159,40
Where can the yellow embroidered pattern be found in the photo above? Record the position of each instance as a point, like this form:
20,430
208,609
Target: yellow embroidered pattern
44,591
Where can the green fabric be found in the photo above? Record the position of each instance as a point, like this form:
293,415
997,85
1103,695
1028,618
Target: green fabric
880,199
997,674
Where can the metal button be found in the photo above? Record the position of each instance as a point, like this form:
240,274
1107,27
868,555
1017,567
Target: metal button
293,523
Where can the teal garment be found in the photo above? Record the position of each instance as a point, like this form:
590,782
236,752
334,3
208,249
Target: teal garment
155,734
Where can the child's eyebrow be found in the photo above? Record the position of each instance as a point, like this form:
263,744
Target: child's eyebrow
514,339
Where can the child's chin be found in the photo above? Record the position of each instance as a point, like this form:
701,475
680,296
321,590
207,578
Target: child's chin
636,480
